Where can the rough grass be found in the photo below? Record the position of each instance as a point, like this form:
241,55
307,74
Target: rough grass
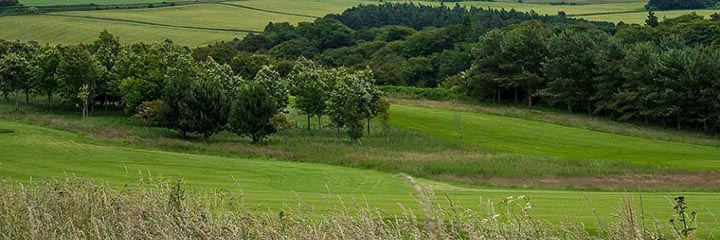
78,208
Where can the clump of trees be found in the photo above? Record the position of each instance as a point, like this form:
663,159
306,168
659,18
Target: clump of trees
679,4
170,86
629,76
9,3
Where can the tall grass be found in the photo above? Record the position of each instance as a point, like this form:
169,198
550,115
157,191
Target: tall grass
76,208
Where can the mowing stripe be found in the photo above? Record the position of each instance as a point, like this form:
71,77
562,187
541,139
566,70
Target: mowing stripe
268,11
155,24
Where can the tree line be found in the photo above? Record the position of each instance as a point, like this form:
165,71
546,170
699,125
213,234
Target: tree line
164,85
664,82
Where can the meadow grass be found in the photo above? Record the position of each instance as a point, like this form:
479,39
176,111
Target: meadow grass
198,15
316,8
639,17
71,2
36,154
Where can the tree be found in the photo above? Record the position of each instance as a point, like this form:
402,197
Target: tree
569,69
151,64
511,60
276,85
252,110
353,100
205,107
247,65
45,78
292,49
78,71
106,49
15,72
311,86
652,20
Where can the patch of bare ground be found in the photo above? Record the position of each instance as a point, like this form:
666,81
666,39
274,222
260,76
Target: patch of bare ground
627,182
595,123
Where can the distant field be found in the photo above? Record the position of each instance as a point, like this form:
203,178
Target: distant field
554,9
33,153
71,2
198,15
506,134
639,17
63,30
306,7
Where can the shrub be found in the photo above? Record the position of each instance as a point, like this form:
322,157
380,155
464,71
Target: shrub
152,113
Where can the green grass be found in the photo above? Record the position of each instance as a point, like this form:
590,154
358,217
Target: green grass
317,8
506,134
34,153
63,30
639,17
198,15
72,2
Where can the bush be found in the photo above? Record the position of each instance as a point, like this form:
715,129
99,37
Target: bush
152,113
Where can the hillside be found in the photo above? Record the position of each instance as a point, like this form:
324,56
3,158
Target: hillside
36,153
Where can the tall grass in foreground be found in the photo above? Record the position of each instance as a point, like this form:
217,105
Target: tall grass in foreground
82,209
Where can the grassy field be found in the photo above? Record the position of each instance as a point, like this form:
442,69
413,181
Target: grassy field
507,134
71,2
63,30
198,15
32,153
639,17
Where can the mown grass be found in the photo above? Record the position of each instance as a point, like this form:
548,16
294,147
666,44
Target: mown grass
33,154
316,8
506,134
63,30
198,15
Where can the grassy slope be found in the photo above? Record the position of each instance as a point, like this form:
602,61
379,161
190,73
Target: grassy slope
536,138
306,7
39,153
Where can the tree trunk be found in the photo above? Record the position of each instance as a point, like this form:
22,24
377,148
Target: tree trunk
50,100
569,108
516,95
308,125
17,100
319,122
105,103
27,97
368,126
529,100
